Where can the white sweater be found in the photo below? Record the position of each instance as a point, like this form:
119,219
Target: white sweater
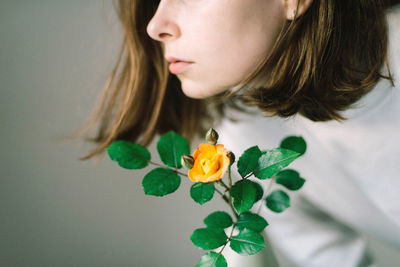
352,171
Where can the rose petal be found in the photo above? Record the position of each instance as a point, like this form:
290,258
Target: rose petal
211,163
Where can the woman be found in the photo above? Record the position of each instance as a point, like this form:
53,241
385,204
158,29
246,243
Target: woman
323,65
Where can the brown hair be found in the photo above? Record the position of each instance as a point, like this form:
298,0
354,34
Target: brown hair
322,62
326,60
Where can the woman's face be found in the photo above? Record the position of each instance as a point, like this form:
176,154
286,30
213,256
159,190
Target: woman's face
224,40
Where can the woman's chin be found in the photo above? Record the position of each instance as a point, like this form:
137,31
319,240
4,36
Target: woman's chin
201,91
194,94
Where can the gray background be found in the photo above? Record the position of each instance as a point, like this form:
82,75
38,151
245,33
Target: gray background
55,210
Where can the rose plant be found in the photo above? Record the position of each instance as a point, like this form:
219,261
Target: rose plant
207,168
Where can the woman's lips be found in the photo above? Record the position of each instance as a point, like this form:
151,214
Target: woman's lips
179,66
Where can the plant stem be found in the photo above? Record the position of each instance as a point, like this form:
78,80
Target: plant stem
267,192
229,177
229,239
270,184
230,196
223,196
220,182
229,201
174,169
248,175
181,173
158,164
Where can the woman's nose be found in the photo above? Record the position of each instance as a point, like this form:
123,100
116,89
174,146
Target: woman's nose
162,27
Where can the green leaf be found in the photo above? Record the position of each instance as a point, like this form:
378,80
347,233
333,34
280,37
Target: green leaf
290,179
244,195
202,192
294,143
129,155
218,219
273,161
212,259
251,221
208,238
247,242
160,182
278,201
259,190
248,160
171,147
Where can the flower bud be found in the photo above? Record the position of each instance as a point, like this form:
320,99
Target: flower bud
187,161
212,136
231,157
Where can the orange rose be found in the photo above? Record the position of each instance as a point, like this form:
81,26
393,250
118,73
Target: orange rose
210,163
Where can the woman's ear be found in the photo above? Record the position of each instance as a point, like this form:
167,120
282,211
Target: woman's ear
290,7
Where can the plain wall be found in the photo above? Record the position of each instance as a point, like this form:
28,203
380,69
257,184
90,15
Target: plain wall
55,210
